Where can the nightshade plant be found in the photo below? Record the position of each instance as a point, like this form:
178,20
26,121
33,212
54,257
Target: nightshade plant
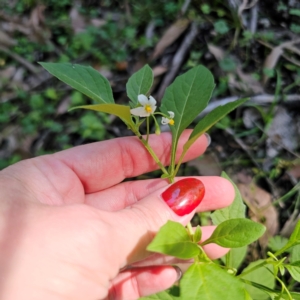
183,100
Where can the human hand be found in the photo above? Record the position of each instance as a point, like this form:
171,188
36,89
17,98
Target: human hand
68,226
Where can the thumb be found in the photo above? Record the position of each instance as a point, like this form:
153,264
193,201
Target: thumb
141,221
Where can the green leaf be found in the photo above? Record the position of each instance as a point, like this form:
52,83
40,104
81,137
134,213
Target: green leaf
197,234
173,239
236,233
211,119
86,80
293,240
296,296
235,210
235,257
187,96
271,292
295,254
294,269
121,111
247,296
139,83
295,237
263,275
277,242
209,282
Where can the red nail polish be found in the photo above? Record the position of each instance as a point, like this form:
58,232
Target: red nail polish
184,195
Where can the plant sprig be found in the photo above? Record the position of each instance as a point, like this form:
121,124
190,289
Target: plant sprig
182,102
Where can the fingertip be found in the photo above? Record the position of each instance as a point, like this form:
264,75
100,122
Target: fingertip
219,193
139,282
229,192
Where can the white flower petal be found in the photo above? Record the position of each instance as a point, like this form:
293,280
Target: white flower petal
143,99
171,113
153,108
152,101
165,121
140,112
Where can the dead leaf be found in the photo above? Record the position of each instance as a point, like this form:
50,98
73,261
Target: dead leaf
77,20
260,209
250,83
217,52
282,133
273,57
63,106
6,40
271,61
207,165
121,65
295,171
170,36
38,29
37,18
8,72
98,22
159,70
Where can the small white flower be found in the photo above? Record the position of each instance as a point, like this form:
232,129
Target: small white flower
170,120
147,109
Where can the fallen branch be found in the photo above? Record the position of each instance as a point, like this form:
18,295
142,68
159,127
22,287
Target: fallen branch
263,99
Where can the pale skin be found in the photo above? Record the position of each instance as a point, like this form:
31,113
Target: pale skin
69,228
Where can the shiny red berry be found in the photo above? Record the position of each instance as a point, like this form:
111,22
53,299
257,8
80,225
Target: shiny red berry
184,195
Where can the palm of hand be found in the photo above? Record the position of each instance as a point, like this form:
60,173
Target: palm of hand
63,228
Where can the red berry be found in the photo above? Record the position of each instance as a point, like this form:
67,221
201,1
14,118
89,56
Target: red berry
184,195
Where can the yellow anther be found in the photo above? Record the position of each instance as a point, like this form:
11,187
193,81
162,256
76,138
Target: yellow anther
171,122
148,108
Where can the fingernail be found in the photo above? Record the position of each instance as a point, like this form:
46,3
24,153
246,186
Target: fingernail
184,195
208,139
178,271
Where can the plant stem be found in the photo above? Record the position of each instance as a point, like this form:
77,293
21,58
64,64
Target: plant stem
190,228
179,162
284,288
147,129
151,152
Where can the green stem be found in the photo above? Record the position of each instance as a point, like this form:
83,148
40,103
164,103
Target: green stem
190,228
284,287
151,152
148,131
179,162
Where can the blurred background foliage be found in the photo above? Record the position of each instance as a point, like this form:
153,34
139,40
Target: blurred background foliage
251,47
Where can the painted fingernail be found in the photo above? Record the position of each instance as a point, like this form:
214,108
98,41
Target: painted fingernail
178,271
208,139
184,195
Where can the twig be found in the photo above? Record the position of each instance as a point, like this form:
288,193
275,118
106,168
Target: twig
150,30
253,21
185,6
178,58
21,60
263,99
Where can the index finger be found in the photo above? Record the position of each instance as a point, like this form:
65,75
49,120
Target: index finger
103,164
